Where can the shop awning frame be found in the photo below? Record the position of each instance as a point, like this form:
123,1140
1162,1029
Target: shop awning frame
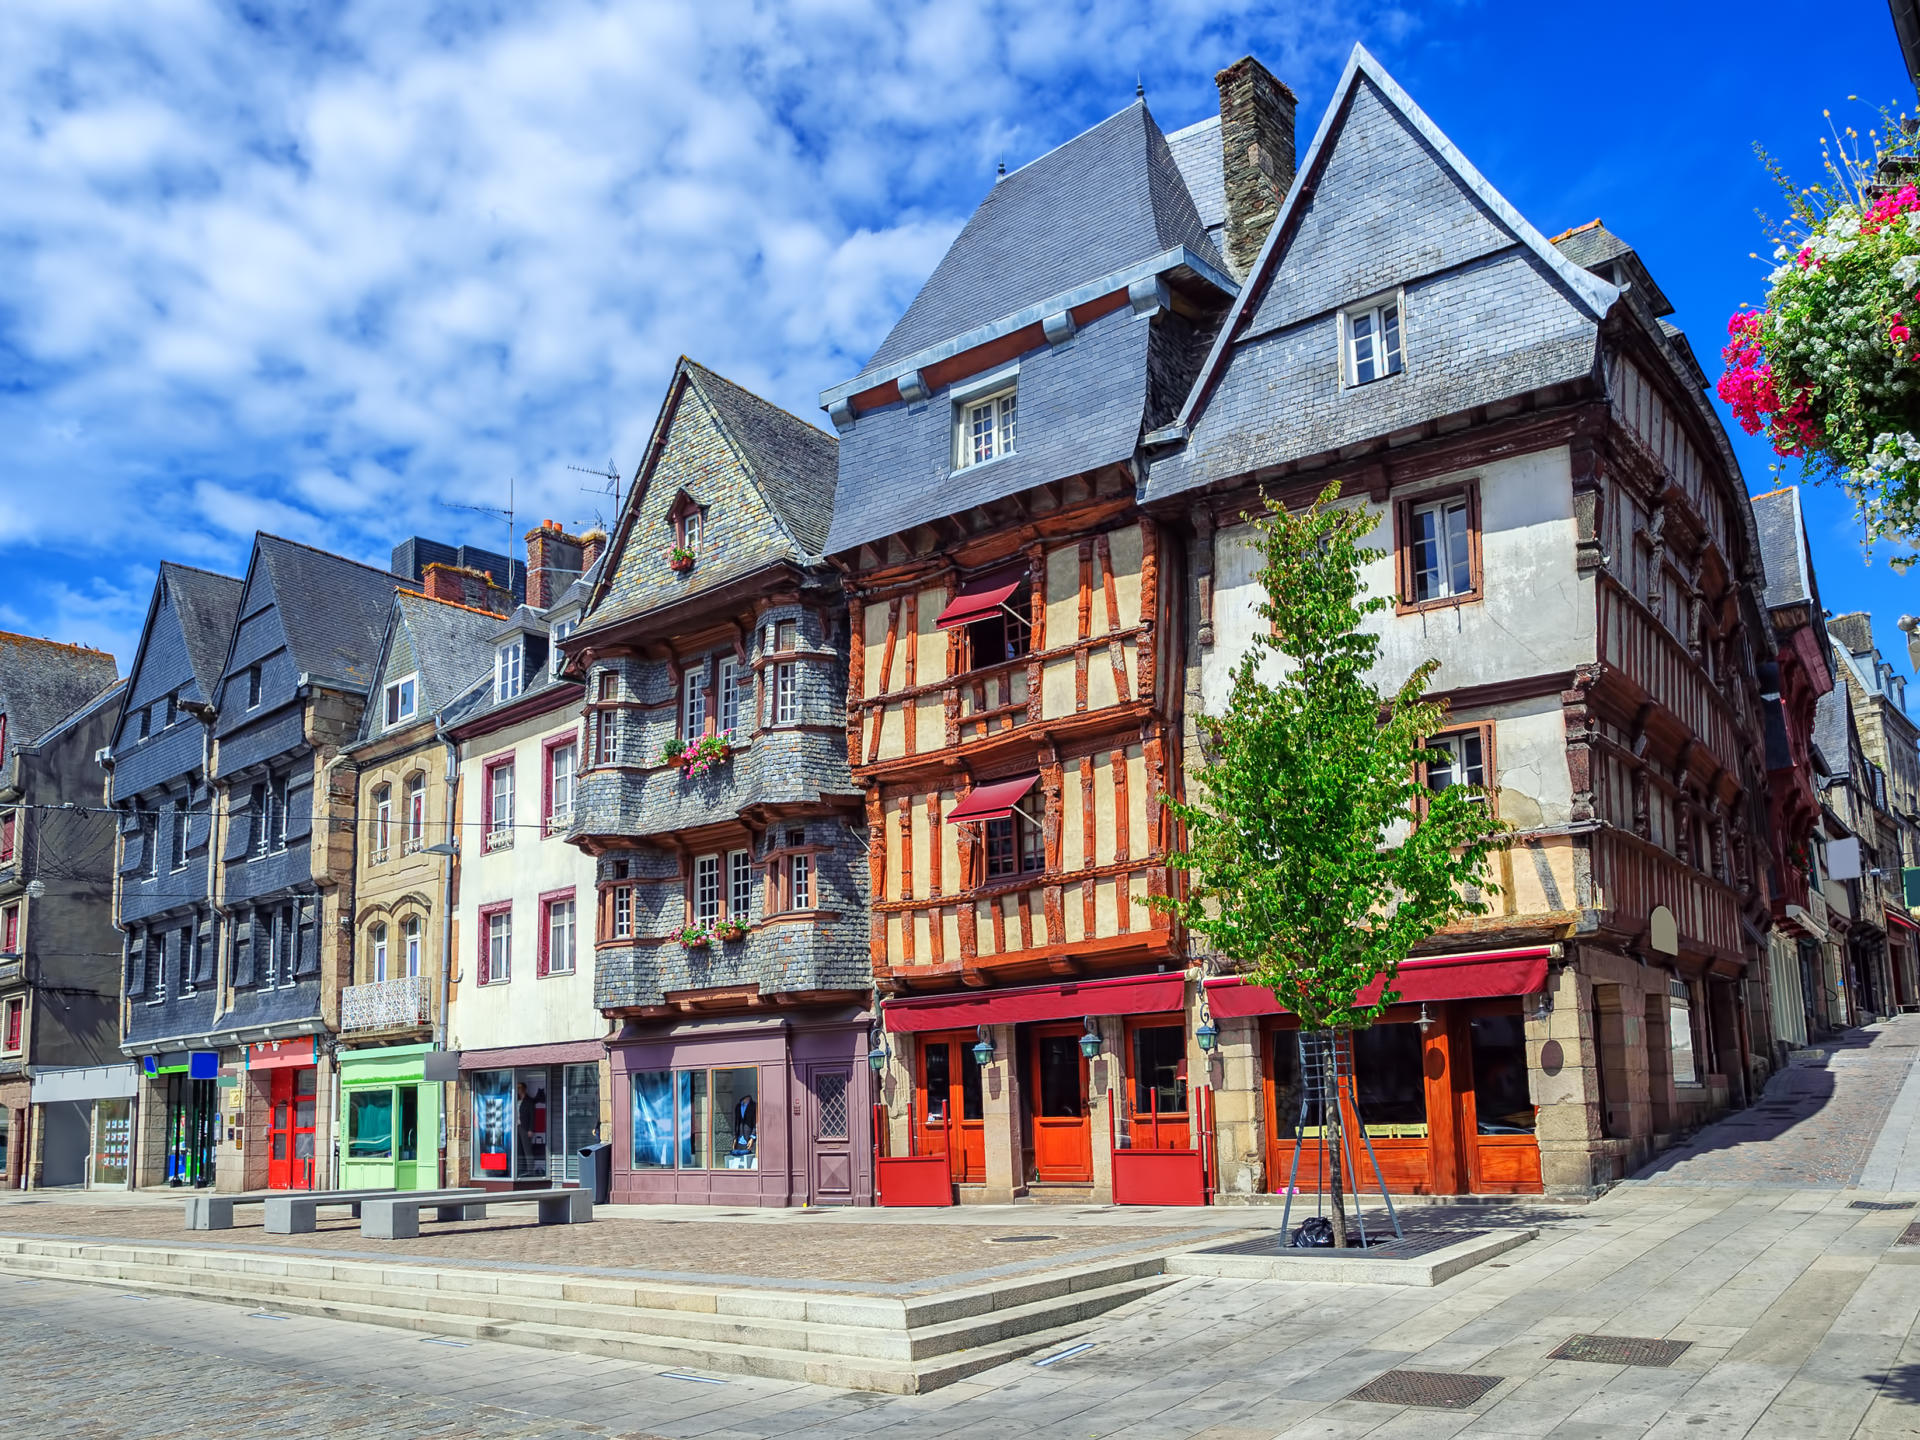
979,598
1064,1000
993,800
1474,975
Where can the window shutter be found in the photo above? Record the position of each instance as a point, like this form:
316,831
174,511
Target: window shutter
243,928
306,946
203,955
239,828
543,942
300,809
136,966
485,928
134,854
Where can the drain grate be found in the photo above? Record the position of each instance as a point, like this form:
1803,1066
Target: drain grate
1620,1350
1017,1239
1429,1389
1880,1205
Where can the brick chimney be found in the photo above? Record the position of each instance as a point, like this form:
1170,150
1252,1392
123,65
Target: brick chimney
592,542
460,586
553,563
1256,149
1855,631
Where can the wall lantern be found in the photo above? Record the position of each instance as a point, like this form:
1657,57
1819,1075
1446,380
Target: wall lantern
877,1055
1205,1035
1541,1006
983,1048
1090,1040
1425,1022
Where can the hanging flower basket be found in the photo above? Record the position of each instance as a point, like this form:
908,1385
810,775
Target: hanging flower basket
707,752
680,560
733,933
694,938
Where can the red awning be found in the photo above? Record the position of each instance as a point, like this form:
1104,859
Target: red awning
1900,919
1428,977
993,801
1125,995
980,598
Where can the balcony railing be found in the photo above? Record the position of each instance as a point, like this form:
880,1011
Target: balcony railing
385,1004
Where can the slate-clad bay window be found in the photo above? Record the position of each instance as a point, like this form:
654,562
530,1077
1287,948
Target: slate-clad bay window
1373,342
729,716
1437,545
693,704
985,429
740,886
786,693
604,736
800,882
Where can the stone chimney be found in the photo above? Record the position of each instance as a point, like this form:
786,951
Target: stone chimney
1256,151
1855,631
460,586
591,544
553,563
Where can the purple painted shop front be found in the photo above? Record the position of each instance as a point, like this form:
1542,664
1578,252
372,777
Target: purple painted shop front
744,1111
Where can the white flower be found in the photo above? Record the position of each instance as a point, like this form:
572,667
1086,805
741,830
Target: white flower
1906,269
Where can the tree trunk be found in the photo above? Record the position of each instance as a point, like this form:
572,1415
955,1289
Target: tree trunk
1336,1143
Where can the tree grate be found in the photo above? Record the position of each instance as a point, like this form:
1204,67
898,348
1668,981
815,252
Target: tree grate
1880,1204
1620,1350
1429,1389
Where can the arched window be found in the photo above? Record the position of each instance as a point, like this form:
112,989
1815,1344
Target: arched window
416,811
379,935
382,820
410,944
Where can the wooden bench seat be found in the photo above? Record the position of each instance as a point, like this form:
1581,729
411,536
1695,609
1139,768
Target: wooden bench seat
397,1217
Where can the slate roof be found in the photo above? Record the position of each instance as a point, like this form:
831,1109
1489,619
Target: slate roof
787,456
1783,548
452,647
1196,150
207,604
1108,198
66,722
333,610
1382,200
43,681
1594,247
541,662
1832,722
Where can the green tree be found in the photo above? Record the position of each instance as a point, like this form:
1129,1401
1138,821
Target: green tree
1318,857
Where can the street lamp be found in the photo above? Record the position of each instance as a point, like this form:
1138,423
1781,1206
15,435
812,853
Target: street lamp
983,1048
877,1055
1090,1040
1206,1035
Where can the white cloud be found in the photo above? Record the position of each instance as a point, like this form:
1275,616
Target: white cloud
320,274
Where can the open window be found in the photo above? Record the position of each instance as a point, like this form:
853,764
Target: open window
996,613
687,518
1014,838
1372,340
1438,549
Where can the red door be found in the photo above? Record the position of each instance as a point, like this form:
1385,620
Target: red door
1062,1128
1157,1085
291,1095
952,1119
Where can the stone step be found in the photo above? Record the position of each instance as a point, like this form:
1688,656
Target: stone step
860,1342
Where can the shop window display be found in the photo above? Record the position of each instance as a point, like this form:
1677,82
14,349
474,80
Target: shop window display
370,1125
1500,1101
696,1119
529,1123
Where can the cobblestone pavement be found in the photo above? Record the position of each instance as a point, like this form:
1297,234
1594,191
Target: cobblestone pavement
1814,1125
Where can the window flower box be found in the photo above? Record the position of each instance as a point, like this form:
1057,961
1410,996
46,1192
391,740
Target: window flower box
680,559
694,938
706,752
733,932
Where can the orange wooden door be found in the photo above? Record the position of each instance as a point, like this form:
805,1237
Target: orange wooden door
1062,1128
1402,1073
1157,1084
1497,1116
952,1117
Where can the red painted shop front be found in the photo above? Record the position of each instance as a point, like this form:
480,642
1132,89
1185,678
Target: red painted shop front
292,1081
1439,1083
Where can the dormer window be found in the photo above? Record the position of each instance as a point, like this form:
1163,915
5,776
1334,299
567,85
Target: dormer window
563,628
688,522
1373,342
507,666
985,429
401,700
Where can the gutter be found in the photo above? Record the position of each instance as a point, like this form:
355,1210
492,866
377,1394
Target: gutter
446,921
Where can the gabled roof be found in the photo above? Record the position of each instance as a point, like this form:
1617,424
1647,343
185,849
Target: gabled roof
110,695
41,681
1783,548
1196,150
1382,200
206,604
1108,198
1594,247
333,610
788,467
451,646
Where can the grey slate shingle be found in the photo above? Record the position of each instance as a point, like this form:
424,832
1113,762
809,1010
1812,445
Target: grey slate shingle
1783,548
206,604
792,460
1196,150
42,682
333,610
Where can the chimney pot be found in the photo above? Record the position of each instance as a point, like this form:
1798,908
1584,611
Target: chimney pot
1256,148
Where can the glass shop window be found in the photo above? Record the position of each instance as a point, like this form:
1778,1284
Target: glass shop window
1160,1070
370,1125
939,1066
1390,1075
696,1119
1500,1100
493,1117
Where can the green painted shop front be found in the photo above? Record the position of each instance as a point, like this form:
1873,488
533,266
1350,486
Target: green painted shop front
392,1115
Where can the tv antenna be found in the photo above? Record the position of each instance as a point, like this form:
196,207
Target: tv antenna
612,476
506,514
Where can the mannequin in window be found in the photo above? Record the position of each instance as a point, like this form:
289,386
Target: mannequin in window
745,1115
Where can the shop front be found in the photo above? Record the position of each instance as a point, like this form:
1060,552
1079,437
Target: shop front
84,1115
530,1111
1438,1089
283,1079
181,1089
392,1111
744,1111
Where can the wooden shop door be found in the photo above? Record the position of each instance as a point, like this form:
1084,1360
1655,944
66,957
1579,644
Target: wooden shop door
1062,1128
952,1117
291,1096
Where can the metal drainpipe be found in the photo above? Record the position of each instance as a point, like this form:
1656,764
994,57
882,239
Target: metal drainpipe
446,937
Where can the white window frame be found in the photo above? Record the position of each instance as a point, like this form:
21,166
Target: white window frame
986,426
382,820
561,961
509,666
623,912
727,718
379,953
410,945
786,693
1374,314
1453,522
416,823
706,891
563,628
800,881
402,700
499,947
1455,744
693,703
740,886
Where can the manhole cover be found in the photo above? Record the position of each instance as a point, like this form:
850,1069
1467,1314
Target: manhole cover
1620,1350
1880,1205
1017,1239
1430,1389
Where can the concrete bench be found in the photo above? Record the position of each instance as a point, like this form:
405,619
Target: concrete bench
215,1212
298,1212
397,1217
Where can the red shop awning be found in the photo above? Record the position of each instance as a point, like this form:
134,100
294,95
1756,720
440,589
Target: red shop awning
980,598
1900,919
1125,995
1429,977
993,801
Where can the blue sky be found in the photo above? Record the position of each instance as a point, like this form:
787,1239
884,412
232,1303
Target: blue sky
326,269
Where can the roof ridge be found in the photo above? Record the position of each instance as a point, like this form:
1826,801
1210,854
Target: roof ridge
199,570
742,452
450,604
54,644
1138,103
330,554
1593,224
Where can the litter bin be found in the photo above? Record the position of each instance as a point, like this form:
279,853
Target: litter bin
596,1171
